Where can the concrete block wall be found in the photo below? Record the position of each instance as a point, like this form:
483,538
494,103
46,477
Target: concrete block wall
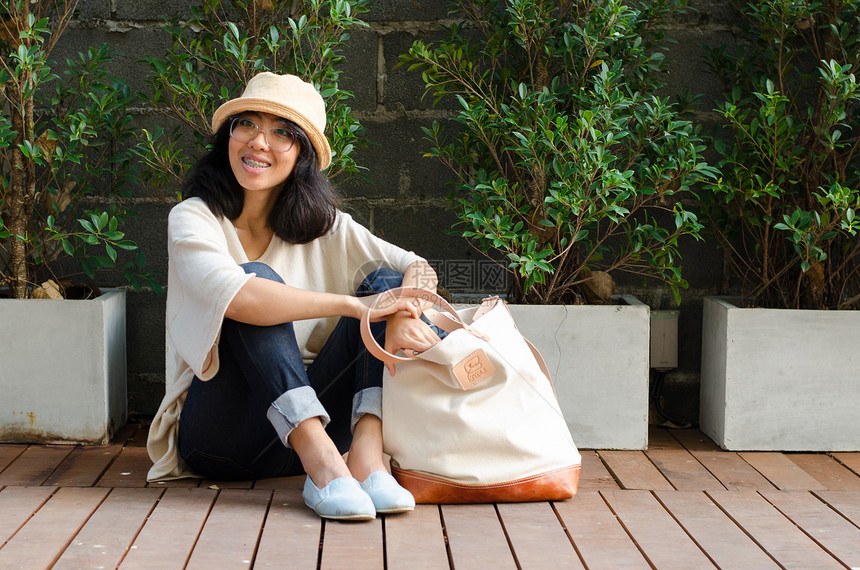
405,201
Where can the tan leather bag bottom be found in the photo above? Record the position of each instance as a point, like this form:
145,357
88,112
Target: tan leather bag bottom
555,485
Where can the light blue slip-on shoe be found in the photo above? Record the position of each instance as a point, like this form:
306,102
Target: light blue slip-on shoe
342,499
387,494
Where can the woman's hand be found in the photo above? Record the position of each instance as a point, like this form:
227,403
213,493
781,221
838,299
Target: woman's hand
382,305
407,333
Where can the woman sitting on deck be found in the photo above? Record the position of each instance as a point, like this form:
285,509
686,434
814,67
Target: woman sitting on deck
267,280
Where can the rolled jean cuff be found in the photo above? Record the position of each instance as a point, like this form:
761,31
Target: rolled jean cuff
292,408
366,401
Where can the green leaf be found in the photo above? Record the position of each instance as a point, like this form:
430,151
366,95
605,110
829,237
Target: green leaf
126,245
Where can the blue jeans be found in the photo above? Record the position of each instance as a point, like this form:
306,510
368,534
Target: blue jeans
235,425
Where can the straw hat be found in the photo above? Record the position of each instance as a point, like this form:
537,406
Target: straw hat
286,96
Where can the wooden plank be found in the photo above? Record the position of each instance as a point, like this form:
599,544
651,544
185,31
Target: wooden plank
126,433
169,534
39,543
663,542
722,540
846,502
660,438
292,483
849,460
87,463
827,471
533,531
232,530
34,465
784,473
354,545
213,484
593,474
415,541
84,466
633,470
476,538
184,483
17,504
777,535
829,529
693,440
138,438
598,535
129,469
290,527
728,468
108,534
683,470
9,452
732,471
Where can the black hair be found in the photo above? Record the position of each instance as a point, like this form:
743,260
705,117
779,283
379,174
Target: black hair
305,209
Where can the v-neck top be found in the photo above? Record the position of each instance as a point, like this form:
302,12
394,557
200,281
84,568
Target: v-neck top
265,251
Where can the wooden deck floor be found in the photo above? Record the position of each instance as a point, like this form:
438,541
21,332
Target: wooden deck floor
681,504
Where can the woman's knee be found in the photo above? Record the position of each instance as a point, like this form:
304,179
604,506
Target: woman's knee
380,280
262,270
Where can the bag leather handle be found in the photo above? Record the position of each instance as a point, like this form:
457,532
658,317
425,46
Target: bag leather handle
442,321
373,346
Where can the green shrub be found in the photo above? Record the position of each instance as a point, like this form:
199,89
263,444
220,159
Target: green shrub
59,162
566,161
785,210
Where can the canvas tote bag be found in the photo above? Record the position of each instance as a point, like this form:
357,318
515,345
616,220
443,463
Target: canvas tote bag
474,419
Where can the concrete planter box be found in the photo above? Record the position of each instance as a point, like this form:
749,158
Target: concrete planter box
778,379
598,357
63,370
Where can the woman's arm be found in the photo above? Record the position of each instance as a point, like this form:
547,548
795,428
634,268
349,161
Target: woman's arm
264,303
420,274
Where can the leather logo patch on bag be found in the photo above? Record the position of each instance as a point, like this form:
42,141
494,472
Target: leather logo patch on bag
473,369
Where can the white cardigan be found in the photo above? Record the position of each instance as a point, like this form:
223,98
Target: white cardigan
204,253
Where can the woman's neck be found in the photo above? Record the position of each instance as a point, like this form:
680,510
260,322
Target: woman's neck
255,212
252,226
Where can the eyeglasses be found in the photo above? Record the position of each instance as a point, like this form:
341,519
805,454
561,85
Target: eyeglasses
280,139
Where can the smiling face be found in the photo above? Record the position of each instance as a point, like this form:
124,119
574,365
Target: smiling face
256,166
